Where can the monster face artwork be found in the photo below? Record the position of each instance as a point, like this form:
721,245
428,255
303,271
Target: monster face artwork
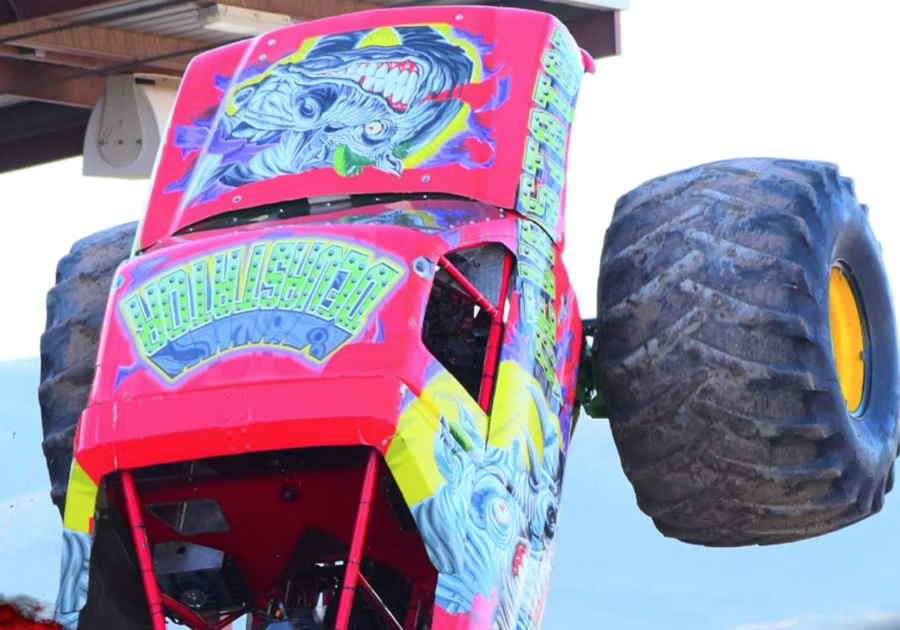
490,527
390,98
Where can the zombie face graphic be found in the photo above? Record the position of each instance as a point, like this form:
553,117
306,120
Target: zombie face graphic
366,99
490,528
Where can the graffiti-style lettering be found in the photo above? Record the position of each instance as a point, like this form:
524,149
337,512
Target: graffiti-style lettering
551,133
551,99
305,295
555,93
537,287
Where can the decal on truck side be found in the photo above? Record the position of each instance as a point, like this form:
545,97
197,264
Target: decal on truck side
543,167
305,295
536,286
390,98
490,528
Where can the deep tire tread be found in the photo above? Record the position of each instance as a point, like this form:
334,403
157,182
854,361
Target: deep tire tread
75,310
719,380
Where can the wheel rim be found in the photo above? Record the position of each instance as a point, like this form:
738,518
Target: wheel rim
848,337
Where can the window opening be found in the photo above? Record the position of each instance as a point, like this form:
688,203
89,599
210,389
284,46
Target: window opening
464,316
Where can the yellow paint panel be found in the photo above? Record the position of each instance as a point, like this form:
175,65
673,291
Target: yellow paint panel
81,500
411,453
444,394
514,410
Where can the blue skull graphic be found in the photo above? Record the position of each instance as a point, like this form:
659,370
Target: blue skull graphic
491,527
346,104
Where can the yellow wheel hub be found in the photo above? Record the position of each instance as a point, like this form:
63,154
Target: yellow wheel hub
847,338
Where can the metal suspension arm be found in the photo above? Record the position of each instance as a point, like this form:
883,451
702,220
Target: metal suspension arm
351,572
142,546
589,392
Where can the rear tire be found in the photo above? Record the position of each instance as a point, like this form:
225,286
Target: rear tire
75,309
716,353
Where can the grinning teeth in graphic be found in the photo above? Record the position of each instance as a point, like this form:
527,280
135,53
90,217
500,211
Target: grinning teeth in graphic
396,81
389,99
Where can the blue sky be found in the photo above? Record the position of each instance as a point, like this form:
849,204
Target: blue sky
614,570
29,523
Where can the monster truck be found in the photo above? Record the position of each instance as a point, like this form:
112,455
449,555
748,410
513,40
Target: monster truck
338,373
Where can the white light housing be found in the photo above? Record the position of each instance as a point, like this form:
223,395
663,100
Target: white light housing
127,124
239,21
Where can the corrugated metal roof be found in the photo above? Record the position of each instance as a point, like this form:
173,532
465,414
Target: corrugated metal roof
183,20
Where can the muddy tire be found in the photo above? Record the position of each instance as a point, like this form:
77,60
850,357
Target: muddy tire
75,308
715,346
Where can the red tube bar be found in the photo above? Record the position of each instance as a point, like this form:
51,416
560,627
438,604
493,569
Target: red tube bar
468,286
453,290
378,605
492,351
142,546
351,572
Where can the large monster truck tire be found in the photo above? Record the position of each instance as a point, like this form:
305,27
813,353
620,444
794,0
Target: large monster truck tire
748,348
75,308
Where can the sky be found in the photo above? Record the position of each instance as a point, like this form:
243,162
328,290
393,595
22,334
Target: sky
699,80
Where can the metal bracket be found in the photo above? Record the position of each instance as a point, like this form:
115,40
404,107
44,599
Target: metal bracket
589,388
120,127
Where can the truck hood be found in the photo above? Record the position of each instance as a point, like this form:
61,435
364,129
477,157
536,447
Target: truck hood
422,99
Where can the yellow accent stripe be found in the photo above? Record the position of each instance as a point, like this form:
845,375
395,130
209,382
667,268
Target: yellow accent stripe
410,456
514,411
81,500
